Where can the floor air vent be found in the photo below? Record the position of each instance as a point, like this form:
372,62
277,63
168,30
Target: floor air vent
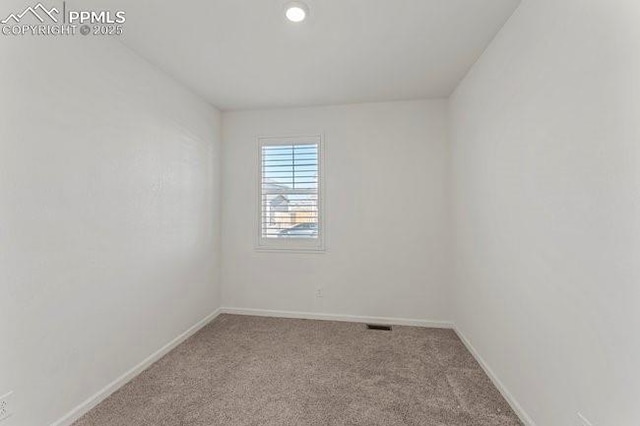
378,327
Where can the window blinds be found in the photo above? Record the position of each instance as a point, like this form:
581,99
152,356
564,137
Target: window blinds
289,190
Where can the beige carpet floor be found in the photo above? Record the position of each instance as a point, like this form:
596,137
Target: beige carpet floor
242,370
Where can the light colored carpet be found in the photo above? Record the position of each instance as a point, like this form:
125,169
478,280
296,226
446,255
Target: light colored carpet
242,370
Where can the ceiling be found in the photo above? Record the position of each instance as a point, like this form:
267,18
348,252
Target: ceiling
241,54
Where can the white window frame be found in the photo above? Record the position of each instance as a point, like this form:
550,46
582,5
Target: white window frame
310,245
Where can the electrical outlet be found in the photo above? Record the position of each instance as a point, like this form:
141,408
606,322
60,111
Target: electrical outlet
582,421
5,406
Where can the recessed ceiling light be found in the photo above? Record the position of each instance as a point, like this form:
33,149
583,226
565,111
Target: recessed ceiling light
296,11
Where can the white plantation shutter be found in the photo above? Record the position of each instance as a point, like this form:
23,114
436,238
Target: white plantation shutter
290,193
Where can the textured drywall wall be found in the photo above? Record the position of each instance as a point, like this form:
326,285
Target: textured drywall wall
546,171
109,176
386,213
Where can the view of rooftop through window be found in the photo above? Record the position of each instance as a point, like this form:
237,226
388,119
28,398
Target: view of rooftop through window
290,190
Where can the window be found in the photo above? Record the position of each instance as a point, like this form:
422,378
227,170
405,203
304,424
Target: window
290,213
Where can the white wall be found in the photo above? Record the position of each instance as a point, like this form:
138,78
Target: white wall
109,175
386,213
546,166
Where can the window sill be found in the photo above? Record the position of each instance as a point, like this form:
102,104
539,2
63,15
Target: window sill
294,250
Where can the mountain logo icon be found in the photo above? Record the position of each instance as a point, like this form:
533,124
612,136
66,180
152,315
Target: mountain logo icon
39,11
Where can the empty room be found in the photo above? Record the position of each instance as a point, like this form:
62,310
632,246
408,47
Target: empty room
320,212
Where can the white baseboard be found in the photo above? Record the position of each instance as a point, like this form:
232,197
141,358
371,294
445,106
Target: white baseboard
515,406
101,395
337,317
